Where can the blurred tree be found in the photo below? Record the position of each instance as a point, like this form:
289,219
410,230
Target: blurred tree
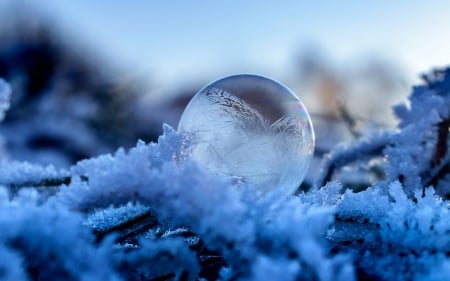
367,86
67,104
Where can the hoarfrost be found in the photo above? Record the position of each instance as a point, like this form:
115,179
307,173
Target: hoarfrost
151,212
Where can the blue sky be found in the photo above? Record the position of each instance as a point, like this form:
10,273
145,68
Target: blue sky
175,41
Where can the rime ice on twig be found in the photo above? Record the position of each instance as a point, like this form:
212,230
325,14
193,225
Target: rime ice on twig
152,214
363,149
414,153
227,220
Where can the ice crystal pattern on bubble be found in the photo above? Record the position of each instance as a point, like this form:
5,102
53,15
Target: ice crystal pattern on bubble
258,133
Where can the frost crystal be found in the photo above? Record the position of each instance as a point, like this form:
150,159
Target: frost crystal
152,213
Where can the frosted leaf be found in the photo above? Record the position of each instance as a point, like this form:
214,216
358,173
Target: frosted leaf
251,128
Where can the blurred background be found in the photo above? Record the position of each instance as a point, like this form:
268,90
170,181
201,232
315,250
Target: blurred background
91,76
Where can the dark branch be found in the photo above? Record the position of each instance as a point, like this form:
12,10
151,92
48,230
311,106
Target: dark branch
42,183
441,145
350,122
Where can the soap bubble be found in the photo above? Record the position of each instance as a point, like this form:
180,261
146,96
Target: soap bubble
251,128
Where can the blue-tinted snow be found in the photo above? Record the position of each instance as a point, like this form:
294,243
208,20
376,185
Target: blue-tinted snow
243,227
5,95
397,229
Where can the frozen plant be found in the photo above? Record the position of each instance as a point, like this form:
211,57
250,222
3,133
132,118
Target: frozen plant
245,229
417,153
152,213
402,219
242,231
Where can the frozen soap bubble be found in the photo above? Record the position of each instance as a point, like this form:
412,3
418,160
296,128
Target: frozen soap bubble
252,128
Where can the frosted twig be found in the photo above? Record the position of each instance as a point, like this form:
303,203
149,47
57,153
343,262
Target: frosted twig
365,148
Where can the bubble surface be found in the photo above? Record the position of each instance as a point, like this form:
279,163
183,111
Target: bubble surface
252,128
